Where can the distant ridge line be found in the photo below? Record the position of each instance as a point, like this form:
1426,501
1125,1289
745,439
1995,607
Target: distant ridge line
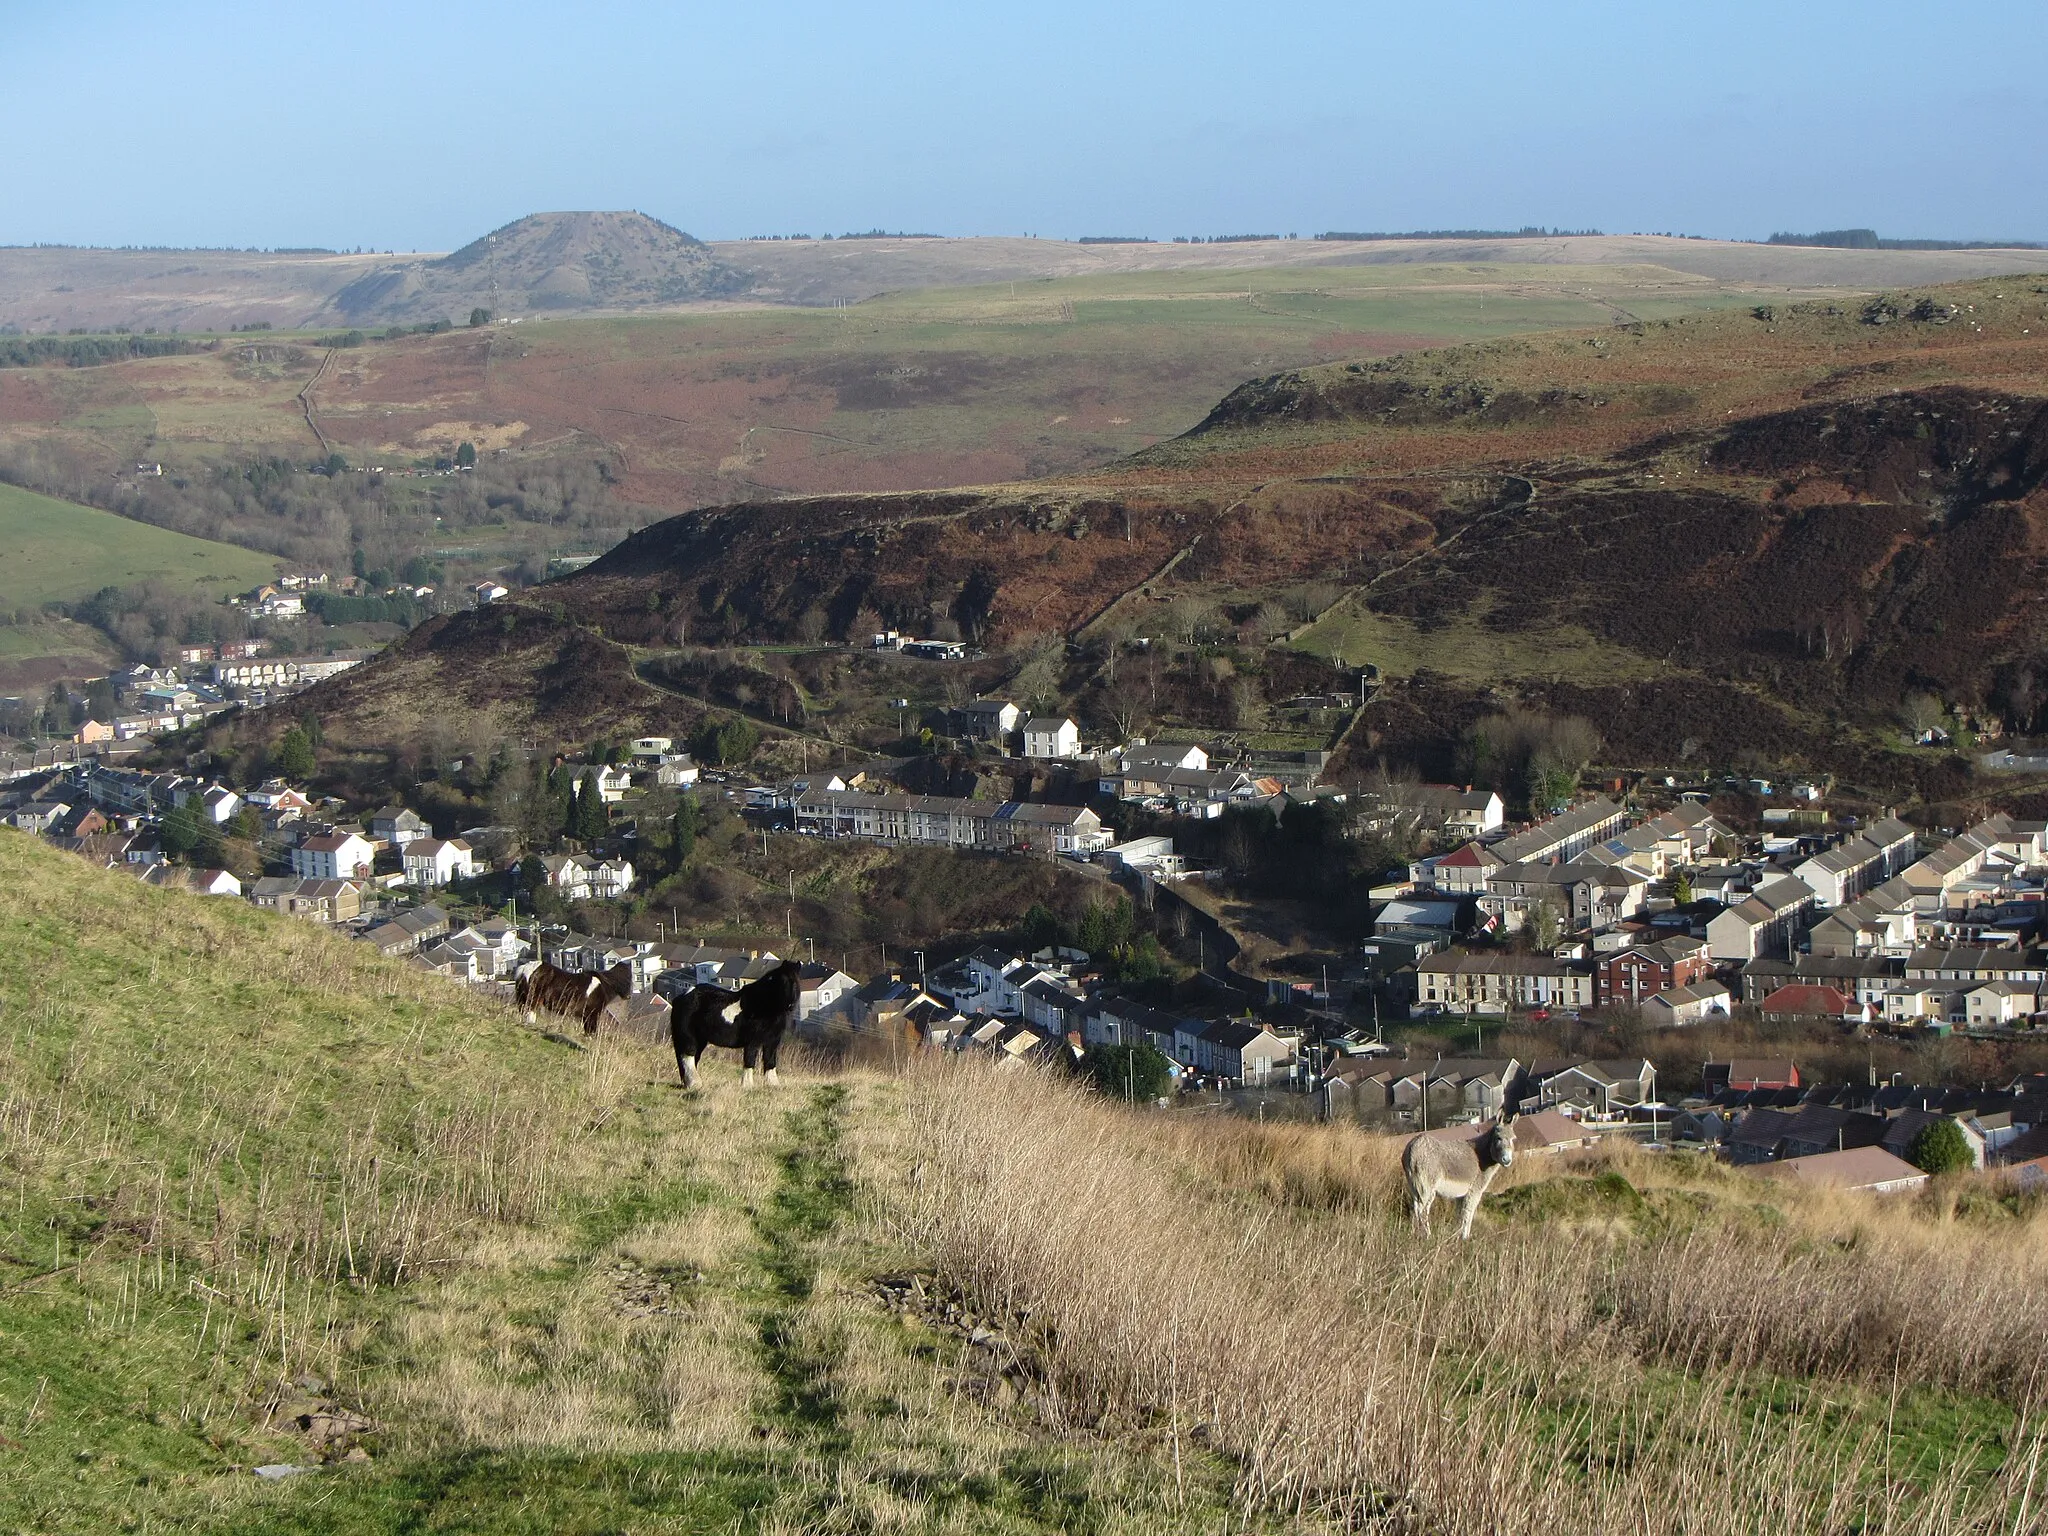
1526,232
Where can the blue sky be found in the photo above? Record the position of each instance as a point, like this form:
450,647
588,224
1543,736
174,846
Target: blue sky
420,125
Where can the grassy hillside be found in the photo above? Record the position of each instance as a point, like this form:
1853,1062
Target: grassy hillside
253,1174
58,551
258,1190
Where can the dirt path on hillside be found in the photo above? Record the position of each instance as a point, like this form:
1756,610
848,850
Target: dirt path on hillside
306,401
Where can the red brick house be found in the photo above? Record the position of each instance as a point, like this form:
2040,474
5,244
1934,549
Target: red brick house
1746,1076
1630,975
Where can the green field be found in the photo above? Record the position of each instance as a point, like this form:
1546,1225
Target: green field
59,552
1462,646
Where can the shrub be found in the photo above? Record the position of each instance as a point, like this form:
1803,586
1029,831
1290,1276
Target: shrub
1135,1073
1941,1147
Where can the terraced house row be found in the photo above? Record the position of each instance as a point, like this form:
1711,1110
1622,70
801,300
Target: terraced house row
945,821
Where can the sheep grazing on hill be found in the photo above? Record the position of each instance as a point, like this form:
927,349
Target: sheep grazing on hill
1452,1168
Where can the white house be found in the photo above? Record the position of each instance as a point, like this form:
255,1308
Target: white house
612,784
434,861
1045,736
676,772
652,746
1999,1002
990,719
1685,1005
821,987
580,877
489,592
396,825
333,856
218,805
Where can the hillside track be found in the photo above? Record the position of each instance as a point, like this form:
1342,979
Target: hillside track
306,401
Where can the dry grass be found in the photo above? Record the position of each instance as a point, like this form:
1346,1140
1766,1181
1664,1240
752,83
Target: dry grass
1547,1376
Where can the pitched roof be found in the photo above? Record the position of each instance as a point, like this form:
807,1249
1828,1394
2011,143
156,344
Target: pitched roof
1807,997
1752,1070
1856,1168
1547,1128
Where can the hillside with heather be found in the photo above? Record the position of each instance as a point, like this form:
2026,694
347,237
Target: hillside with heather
1766,532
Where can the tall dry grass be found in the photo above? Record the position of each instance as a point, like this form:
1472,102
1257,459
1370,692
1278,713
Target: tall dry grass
1547,1375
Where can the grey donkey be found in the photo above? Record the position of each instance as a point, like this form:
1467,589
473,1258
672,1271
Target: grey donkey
1454,1169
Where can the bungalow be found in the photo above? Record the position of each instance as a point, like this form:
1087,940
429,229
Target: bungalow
1048,736
485,592
434,861
1871,1170
1801,1002
1755,1138
1829,1128
1689,1004
1904,1128
1747,1075
1547,1133
676,772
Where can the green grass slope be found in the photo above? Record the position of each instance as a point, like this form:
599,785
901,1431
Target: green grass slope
58,551
251,1174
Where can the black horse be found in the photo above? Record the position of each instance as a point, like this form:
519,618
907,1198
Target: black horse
583,995
750,1021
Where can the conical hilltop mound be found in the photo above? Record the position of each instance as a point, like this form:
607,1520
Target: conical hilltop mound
547,261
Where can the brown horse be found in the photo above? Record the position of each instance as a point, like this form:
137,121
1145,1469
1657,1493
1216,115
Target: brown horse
578,994
750,1021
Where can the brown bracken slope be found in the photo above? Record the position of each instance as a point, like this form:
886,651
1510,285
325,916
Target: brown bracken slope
1793,518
